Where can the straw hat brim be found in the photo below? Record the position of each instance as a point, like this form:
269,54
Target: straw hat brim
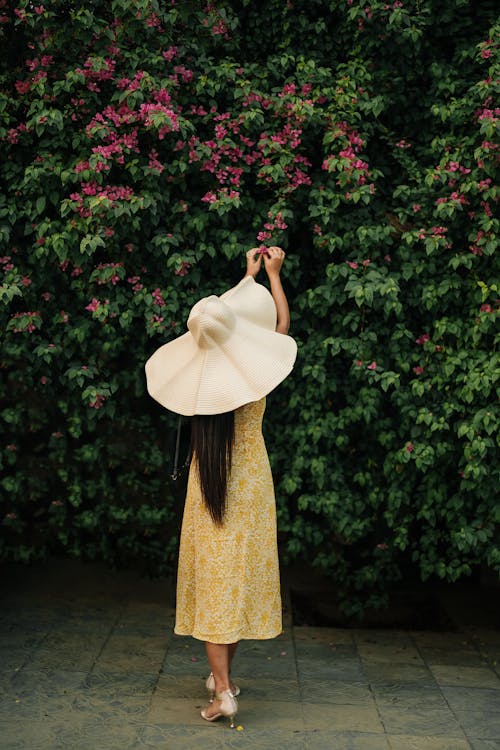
248,365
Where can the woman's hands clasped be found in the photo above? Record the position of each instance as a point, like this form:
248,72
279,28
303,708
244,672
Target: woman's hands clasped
273,260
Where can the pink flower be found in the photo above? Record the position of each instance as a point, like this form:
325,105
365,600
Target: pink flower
358,362
418,370
93,306
157,297
11,447
409,447
43,380
11,516
352,263
57,435
184,269
486,308
422,339
209,197
372,366
366,262
416,207
58,503
97,402
39,9
382,546
262,236
23,87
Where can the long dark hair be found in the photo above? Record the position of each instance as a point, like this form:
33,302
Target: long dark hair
212,438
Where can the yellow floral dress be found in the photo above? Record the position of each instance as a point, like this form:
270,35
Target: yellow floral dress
228,585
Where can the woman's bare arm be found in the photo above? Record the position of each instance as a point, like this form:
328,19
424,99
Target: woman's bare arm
273,260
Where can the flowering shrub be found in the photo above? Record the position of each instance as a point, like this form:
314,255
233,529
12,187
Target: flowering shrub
143,158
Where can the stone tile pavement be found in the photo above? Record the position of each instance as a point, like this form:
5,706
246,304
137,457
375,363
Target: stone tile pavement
88,661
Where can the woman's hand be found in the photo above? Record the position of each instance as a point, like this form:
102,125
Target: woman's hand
273,260
254,262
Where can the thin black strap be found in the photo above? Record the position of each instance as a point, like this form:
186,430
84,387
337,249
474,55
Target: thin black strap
175,472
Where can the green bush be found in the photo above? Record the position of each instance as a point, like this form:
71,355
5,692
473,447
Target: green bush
146,147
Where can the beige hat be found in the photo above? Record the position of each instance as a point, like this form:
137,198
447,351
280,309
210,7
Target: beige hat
230,356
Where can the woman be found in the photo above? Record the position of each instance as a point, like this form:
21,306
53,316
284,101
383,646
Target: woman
235,353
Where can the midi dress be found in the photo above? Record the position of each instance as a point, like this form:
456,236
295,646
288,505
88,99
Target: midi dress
228,583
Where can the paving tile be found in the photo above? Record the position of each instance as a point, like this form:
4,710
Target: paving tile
132,653
46,683
12,659
382,637
458,657
67,651
273,647
250,738
69,732
178,644
324,740
20,639
181,686
89,705
408,696
354,718
419,721
472,699
465,676
403,653
345,669
34,707
376,671
270,714
335,691
184,663
337,636
178,710
19,734
444,641
180,737
255,713
283,667
266,688
488,635
480,724
121,683
327,650
426,742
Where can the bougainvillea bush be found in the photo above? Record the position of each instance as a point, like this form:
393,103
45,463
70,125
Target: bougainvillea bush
145,147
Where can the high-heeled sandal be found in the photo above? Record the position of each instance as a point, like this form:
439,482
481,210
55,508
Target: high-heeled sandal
228,707
210,686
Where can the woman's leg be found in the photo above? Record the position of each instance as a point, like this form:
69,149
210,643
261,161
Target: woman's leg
218,658
232,651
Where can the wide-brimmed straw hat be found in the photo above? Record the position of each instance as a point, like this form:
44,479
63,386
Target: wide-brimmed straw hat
230,356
